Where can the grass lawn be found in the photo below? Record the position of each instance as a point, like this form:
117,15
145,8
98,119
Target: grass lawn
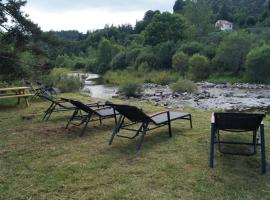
42,160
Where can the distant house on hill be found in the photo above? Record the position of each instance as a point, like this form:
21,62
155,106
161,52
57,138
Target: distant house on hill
224,25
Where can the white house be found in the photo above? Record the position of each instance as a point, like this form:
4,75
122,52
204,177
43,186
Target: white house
224,25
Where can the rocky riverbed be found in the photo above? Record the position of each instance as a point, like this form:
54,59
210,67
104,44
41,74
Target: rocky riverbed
238,97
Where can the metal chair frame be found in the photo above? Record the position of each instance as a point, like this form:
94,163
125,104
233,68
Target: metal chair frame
144,125
88,117
216,138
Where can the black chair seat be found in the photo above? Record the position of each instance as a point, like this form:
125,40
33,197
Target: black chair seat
163,117
135,115
106,112
90,110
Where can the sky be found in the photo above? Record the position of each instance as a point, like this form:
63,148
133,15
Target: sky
84,15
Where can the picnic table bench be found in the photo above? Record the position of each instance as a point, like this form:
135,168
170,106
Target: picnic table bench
16,92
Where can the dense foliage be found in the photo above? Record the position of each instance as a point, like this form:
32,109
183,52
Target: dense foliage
184,42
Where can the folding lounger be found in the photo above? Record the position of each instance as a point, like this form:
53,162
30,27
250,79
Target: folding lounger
136,116
237,122
60,105
41,90
92,114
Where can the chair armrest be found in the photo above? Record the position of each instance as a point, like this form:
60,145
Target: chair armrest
159,113
212,118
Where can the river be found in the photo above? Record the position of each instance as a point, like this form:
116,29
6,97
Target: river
239,97
93,88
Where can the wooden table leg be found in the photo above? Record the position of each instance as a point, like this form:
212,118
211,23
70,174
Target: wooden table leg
26,102
19,100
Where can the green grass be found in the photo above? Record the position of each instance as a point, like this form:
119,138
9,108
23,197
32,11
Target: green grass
42,160
158,77
227,79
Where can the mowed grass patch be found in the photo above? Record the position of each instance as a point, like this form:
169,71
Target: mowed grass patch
43,160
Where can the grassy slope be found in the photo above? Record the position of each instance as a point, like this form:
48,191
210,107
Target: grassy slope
42,160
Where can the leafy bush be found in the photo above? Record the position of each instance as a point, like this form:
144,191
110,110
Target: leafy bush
68,84
163,78
210,51
119,61
131,55
258,64
130,89
144,68
184,86
180,62
151,59
199,67
191,48
61,80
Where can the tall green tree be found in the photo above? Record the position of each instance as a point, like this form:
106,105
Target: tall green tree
106,51
165,27
199,14
178,6
18,35
232,52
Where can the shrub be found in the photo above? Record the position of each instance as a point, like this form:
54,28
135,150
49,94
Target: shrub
151,59
64,82
184,86
144,67
258,64
199,67
130,89
68,84
191,48
210,51
119,61
180,62
131,55
163,78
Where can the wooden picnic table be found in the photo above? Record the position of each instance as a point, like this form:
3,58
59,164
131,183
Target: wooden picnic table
16,92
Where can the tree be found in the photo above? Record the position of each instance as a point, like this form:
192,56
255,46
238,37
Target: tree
148,16
199,67
165,52
178,6
106,51
180,62
199,14
165,27
232,51
258,64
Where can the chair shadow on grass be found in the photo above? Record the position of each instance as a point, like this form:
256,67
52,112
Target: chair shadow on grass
151,140
237,164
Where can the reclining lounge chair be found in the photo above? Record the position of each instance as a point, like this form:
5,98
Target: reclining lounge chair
237,122
136,116
35,91
60,105
92,114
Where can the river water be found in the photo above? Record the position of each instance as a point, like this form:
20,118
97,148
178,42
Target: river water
92,87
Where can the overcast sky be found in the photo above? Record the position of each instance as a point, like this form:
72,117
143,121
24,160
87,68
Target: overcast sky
83,15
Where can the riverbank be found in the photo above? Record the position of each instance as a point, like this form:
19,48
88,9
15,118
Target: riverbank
238,96
43,160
